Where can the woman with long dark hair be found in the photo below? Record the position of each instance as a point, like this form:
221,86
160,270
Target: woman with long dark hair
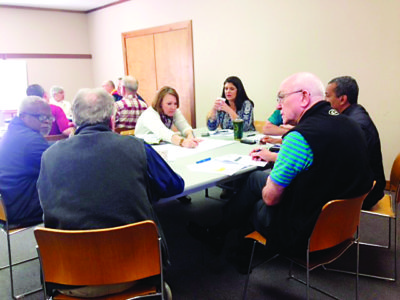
233,105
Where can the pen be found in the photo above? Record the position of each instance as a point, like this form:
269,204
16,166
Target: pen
237,159
203,160
252,134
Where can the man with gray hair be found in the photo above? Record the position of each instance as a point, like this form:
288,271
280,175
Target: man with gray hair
21,150
58,98
109,179
129,108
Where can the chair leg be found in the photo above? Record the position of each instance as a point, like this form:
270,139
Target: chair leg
10,266
379,246
357,267
395,247
249,270
307,282
308,274
389,235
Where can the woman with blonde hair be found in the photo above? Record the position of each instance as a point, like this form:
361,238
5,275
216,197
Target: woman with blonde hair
159,118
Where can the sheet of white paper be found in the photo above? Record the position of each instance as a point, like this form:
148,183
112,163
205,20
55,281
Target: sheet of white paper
226,164
222,132
173,152
244,160
216,166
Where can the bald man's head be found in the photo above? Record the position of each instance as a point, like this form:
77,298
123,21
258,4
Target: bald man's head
297,94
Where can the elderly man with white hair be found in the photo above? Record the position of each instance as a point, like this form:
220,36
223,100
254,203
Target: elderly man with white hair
58,98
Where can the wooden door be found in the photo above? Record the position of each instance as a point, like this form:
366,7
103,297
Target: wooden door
143,69
163,56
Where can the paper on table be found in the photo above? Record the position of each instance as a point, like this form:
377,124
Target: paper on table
242,159
222,132
227,164
175,152
216,166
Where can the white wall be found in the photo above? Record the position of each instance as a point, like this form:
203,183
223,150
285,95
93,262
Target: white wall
49,32
264,41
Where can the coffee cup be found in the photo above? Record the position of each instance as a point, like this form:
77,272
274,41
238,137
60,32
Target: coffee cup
238,129
220,101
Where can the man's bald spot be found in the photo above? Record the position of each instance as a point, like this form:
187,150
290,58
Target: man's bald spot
305,81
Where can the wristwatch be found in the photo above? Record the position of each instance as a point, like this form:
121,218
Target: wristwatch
181,142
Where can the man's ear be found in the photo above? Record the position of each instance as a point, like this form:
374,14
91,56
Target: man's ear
343,100
305,101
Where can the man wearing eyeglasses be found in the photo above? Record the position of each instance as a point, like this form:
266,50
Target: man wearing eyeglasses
21,150
61,124
324,157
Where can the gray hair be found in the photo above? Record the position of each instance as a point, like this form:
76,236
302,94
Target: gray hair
28,103
55,90
130,83
92,106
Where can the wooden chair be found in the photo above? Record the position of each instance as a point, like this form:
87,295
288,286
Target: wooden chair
9,231
124,131
102,256
334,232
259,126
387,208
56,137
127,132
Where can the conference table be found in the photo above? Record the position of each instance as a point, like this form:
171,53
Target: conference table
195,180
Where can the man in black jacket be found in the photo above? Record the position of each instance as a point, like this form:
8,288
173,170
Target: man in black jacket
342,93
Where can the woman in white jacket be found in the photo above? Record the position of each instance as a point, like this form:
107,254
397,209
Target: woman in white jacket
159,118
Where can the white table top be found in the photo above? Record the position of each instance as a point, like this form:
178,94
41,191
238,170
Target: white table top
197,181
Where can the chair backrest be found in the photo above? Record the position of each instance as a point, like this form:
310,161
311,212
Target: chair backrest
102,256
56,137
395,176
337,222
127,132
3,213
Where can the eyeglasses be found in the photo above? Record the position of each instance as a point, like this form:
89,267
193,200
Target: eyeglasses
281,97
40,117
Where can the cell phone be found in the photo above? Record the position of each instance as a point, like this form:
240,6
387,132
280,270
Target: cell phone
248,141
275,148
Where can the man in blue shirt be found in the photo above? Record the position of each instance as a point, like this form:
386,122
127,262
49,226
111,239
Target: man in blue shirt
100,179
21,150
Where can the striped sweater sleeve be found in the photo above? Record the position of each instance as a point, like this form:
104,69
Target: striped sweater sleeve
294,157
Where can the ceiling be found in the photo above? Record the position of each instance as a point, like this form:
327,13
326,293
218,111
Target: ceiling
70,5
